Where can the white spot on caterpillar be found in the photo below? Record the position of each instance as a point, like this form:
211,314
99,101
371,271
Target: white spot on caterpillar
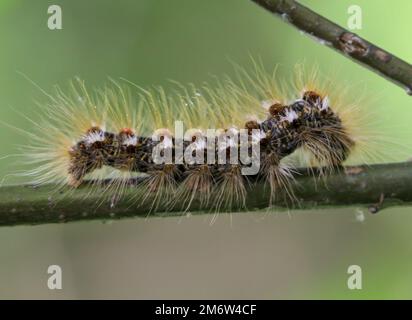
290,116
130,141
325,104
94,136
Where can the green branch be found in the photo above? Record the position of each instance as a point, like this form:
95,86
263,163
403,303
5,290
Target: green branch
342,40
374,187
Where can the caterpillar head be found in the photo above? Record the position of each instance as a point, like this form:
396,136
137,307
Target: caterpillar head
316,99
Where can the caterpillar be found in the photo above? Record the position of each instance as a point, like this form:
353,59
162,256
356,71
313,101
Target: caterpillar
117,138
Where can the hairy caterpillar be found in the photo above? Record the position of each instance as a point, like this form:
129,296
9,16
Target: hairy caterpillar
112,137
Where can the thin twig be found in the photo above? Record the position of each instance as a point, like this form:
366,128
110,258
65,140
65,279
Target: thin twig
342,40
374,187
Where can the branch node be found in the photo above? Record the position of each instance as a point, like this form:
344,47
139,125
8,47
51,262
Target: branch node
351,44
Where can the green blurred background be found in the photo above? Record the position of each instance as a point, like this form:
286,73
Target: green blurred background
297,255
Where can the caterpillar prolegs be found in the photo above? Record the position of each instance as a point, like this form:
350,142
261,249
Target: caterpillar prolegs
119,133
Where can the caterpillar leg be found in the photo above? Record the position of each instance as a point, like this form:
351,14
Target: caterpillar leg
279,177
198,184
231,188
